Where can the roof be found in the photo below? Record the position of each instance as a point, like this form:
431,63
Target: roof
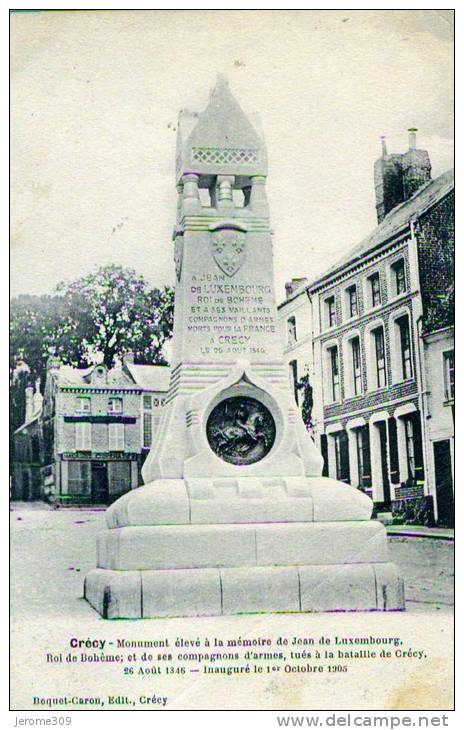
28,423
146,377
151,377
393,223
220,139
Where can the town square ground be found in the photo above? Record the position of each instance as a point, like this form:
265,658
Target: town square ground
51,550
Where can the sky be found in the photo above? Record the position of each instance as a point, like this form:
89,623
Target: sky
95,97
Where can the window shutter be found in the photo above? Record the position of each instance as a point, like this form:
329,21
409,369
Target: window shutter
344,457
394,460
116,436
366,477
325,455
418,455
83,436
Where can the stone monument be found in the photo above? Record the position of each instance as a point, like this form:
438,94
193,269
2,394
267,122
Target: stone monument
234,516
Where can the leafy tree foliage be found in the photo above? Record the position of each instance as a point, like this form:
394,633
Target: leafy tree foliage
126,315
41,325
307,403
99,316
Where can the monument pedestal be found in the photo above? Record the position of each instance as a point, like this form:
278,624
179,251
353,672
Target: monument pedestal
234,516
183,549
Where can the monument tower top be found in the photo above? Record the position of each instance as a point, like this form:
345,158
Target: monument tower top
219,140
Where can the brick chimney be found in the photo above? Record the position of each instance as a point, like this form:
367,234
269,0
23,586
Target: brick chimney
293,285
398,176
416,167
388,182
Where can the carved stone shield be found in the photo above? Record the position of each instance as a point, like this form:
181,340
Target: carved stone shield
229,249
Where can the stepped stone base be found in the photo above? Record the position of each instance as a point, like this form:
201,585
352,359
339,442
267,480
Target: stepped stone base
271,589
169,552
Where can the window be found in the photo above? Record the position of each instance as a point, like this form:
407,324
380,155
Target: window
380,357
338,457
116,436
409,433
356,355
342,459
400,276
119,477
82,404
147,435
363,456
375,289
79,477
291,330
448,369
293,375
405,345
114,405
330,307
83,436
147,430
352,301
334,374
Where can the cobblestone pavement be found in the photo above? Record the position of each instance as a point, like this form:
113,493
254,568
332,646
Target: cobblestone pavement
58,547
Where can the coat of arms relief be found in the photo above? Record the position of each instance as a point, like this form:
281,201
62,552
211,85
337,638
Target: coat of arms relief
228,247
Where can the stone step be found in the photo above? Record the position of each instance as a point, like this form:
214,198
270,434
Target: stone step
215,546
215,592
239,500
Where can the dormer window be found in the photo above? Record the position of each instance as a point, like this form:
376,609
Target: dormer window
291,330
99,374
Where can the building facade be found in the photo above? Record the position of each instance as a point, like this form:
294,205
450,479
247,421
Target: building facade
94,429
295,320
382,346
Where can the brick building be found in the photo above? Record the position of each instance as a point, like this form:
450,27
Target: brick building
382,344
90,437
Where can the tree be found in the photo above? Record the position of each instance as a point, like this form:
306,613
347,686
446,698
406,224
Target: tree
42,325
307,404
101,315
126,315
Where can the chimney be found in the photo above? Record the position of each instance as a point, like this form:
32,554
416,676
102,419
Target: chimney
128,358
29,403
398,176
416,167
293,285
388,181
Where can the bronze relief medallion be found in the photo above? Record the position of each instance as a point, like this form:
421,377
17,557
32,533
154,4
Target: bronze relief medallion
241,430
